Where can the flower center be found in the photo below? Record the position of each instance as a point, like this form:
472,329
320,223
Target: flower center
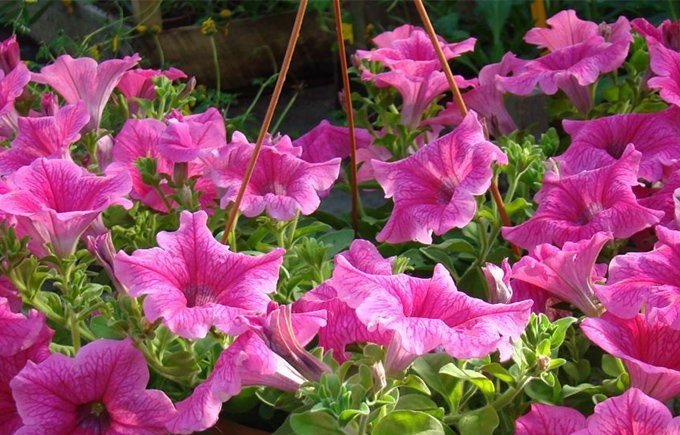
445,190
93,417
589,212
275,188
199,294
615,150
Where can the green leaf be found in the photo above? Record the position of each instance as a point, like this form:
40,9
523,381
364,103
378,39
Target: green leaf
415,383
338,241
498,371
479,422
418,402
315,423
479,380
407,423
560,328
611,366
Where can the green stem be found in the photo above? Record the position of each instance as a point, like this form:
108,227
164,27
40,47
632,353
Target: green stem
291,230
159,48
283,114
216,61
74,326
508,396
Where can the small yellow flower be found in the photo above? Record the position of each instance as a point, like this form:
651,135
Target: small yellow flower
348,33
141,28
225,13
114,43
156,29
208,26
94,52
30,1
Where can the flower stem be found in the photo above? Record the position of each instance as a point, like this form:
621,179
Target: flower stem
350,115
294,34
216,61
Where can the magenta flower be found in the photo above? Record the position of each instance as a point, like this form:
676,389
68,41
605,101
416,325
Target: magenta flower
342,324
10,293
325,142
665,63
663,195
642,344
633,412
24,339
101,390
282,184
485,99
11,87
55,201
644,279
417,91
9,54
666,34
248,361
577,207
423,314
435,188
578,57
409,49
194,282
83,79
549,420
137,83
566,273
189,137
45,136
602,141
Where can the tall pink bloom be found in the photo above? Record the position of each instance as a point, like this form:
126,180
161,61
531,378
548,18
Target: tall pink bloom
565,273
633,412
23,339
579,54
423,314
9,54
485,99
189,137
342,324
601,141
282,184
45,136
101,390
194,282
83,79
408,48
576,207
55,201
248,361
549,420
434,189
11,87
642,343
644,279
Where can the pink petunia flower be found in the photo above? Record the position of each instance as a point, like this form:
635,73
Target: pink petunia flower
10,293
667,33
248,361
45,136
9,54
137,83
602,141
409,49
549,420
642,344
417,91
434,189
282,184
644,279
83,79
55,201
101,390
633,412
663,195
575,208
194,282
578,56
189,137
423,314
565,273
665,63
11,87
342,324
485,99
23,339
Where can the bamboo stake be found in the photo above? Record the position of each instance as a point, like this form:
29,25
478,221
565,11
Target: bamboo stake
458,98
350,115
294,34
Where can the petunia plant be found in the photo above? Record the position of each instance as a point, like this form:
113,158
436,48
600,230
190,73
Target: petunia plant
163,267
